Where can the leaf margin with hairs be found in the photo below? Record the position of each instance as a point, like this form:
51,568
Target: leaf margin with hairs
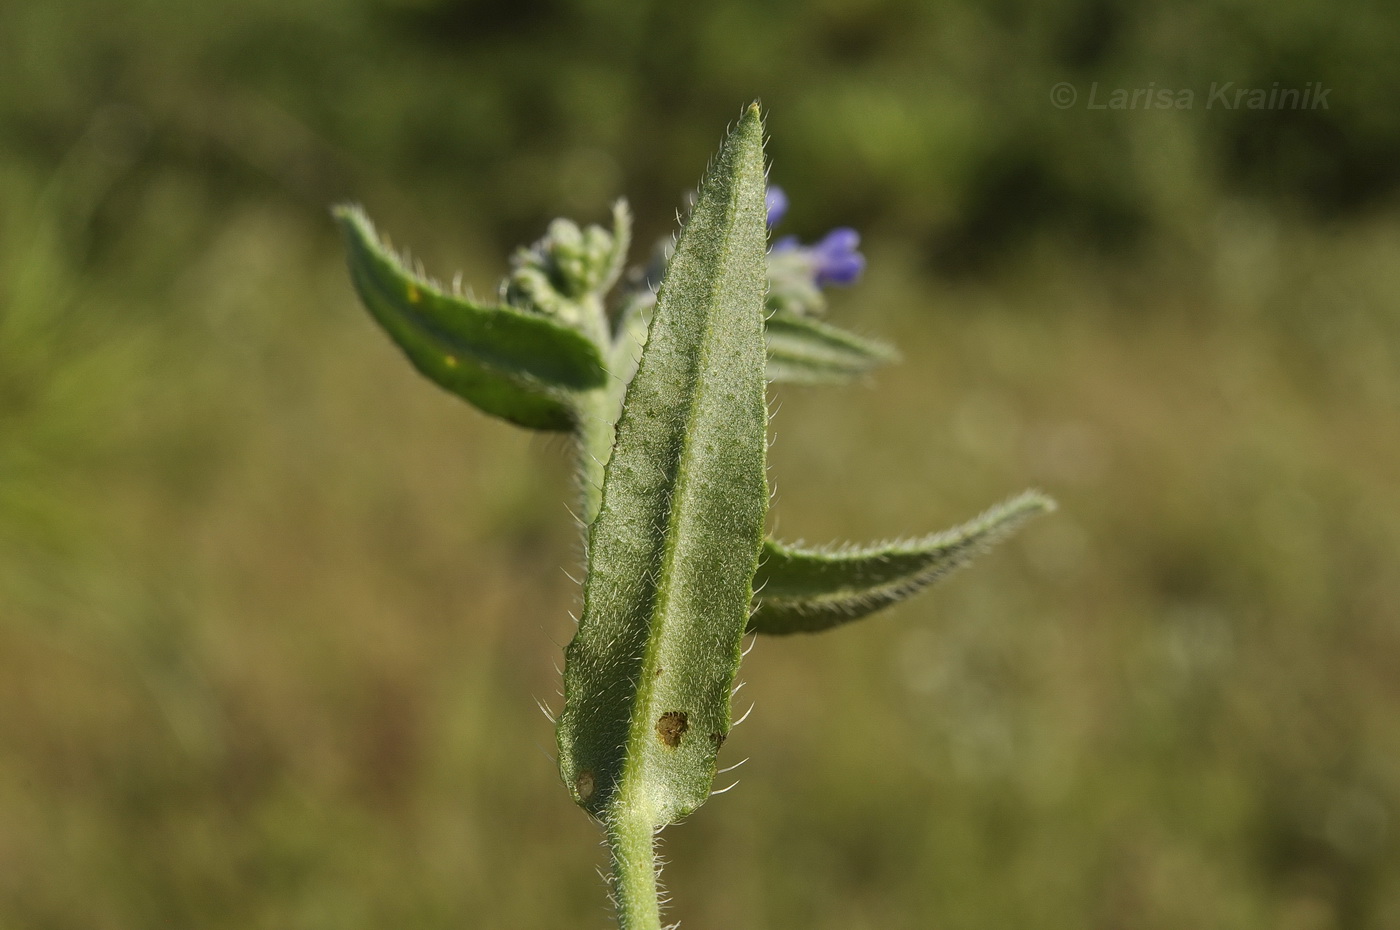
672,552
803,350
522,367
810,590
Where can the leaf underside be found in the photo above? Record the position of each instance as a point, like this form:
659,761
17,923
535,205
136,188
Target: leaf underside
804,350
809,590
672,552
520,366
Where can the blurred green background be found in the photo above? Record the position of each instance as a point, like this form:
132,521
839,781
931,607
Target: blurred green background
274,610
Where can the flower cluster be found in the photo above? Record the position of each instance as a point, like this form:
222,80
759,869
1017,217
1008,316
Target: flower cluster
564,274
797,272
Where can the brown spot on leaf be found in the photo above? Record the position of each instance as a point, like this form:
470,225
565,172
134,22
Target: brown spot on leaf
585,785
670,727
718,739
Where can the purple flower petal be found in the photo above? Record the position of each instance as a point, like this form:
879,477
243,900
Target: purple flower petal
844,270
776,200
840,239
836,260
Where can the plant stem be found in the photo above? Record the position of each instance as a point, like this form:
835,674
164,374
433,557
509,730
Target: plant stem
598,409
596,432
632,843
630,834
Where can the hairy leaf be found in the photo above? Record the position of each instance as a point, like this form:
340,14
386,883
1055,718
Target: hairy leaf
808,590
521,366
802,349
672,552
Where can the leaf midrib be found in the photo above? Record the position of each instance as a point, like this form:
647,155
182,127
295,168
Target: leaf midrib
697,390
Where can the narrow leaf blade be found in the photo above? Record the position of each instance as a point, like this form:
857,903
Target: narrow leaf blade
673,549
808,590
519,366
804,350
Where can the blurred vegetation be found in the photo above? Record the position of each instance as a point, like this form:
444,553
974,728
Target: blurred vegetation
272,609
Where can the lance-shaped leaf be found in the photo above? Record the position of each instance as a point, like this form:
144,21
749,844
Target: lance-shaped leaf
808,590
802,349
521,366
672,552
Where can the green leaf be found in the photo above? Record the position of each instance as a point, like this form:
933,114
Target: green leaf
517,365
672,552
808,590
799,349
802,349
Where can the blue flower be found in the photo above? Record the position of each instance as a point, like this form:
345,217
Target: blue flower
776,200
838,262
797,273
833,260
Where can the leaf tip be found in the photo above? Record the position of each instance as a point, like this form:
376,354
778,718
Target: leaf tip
1033,501
355,226
751,122
348,212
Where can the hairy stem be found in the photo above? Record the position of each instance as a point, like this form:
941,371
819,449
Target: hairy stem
597,428
598,409
632,842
